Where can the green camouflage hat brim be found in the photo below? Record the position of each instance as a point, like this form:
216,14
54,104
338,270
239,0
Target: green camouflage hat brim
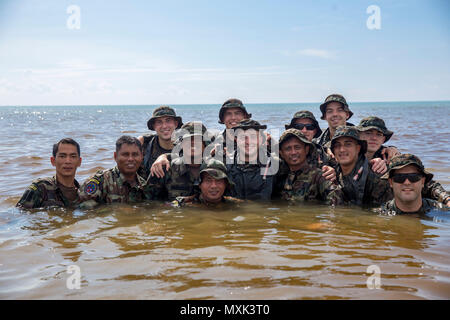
217,175
295,133
232,103
247,124
351,132
335,98
165,112
387,133
427,174
304,115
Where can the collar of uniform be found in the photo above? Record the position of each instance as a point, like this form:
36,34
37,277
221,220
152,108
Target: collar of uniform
423,209
361,160
305,168
55,181
121,179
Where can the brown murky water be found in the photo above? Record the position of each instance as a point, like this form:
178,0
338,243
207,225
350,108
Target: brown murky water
258,251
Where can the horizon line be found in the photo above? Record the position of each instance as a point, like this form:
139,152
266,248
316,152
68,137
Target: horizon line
197,104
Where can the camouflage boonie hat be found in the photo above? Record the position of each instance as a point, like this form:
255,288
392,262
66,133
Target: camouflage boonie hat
215,169
335,98
402,161
305,114
193,129
292,132
352,132
376,123
232,103
249,124
163,111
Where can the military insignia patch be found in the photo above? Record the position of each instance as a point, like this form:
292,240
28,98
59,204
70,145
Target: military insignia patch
91,187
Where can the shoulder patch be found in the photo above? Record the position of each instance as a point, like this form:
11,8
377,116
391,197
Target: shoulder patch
91,187
33,187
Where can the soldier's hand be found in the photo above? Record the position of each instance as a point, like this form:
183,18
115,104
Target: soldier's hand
329,173
158,166
378,165
389,152
329,153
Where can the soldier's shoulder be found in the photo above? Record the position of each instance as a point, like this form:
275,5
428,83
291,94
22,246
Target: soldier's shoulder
387,208
433,204
232,199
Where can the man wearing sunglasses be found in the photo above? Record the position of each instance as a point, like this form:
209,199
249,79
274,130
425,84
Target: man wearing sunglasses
374,131
361,185
407,177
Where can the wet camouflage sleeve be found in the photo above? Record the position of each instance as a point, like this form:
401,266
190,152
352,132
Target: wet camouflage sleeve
31,198
379,191
91,192
434,190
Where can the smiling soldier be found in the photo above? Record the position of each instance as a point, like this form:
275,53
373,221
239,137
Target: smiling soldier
120,184
62,189
407,177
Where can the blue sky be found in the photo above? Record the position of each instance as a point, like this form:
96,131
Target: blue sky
188,52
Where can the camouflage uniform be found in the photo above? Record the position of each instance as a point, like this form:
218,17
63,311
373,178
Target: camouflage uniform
319,156
151,147
252,181
307,183
110,186
325,139
218,171
362,186
432,189
45,192
181,179
389,208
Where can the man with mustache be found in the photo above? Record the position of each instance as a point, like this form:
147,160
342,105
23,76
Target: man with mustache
361,185
214,181
164,121
60,190
303,181
407,177
121,184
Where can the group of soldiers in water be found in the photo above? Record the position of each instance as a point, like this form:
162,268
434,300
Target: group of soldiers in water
186,165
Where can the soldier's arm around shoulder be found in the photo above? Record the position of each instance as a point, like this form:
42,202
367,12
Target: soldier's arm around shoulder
32,197
91,191
434,190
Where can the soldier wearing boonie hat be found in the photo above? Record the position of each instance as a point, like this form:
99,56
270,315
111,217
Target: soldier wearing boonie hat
306,122
214,183
368,128
303,181
335,118
233,103
361,185
183,176
407,176
164,121
252,170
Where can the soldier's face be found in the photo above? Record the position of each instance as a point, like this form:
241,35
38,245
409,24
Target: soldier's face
251,142
128,159
212,189
232,117
346,150
164,127
374,139
294,152
193,150
407,191
336,115
309,134
67,160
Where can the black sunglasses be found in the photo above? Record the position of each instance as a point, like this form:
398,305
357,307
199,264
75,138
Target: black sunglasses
300,126
412,177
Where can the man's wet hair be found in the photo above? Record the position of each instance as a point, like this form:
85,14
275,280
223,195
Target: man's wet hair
65,141
128,140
